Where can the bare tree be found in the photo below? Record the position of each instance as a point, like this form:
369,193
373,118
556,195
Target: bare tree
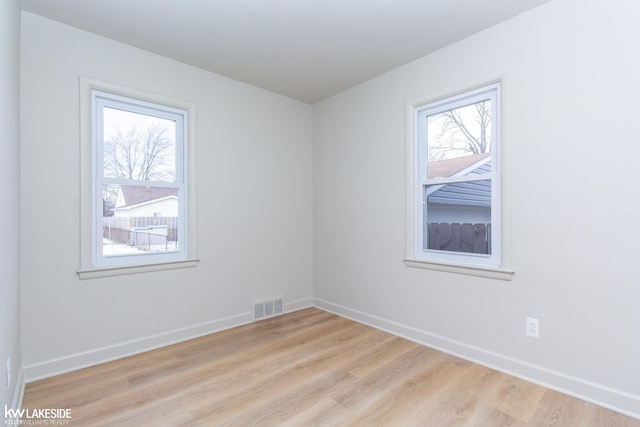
463,130
140,156
146,155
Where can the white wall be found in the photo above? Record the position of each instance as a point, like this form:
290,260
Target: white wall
574,94
253,195
10,211
574,85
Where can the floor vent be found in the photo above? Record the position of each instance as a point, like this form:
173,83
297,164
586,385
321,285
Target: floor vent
268,308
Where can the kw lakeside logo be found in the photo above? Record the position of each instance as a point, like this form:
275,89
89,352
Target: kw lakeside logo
30,417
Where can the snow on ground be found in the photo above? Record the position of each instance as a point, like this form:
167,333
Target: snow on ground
113,248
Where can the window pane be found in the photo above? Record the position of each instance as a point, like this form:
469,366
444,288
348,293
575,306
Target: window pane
457,138
138,146
139,220
457,217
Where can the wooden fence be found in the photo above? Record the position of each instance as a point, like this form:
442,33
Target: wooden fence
470,238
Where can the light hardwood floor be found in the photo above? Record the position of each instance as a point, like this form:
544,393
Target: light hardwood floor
307,368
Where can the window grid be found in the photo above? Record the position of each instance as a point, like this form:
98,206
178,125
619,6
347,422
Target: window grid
177,184
484,171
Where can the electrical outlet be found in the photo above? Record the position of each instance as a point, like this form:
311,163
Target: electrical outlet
8,372
533,327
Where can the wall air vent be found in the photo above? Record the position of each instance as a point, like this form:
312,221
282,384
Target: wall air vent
268,308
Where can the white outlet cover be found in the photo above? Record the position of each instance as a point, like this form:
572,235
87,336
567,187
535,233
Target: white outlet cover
533,327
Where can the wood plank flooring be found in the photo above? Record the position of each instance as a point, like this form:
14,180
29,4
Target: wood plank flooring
307,368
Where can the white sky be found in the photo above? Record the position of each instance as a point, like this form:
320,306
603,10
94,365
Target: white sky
435,123
126,120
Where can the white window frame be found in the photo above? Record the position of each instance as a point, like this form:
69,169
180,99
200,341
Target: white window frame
497,264
95,95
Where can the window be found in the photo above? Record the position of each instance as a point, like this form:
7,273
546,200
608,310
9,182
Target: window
456,180
139,168
139,212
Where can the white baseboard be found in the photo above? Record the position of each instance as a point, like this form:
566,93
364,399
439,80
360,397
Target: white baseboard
96,356
298,305
18,394
16,401
598,394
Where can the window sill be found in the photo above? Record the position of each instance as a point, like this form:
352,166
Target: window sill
93,273
490,273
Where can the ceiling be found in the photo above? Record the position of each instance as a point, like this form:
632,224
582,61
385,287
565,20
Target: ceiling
304,49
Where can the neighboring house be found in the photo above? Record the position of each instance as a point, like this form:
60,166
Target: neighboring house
459,214
461,202
146,202
143,216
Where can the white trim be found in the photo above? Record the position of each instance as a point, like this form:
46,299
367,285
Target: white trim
616,400
97,356
101,100
73,362
598,394
300,304
460,262
16,400
469,270
120,270
490,91
87,160
18,392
